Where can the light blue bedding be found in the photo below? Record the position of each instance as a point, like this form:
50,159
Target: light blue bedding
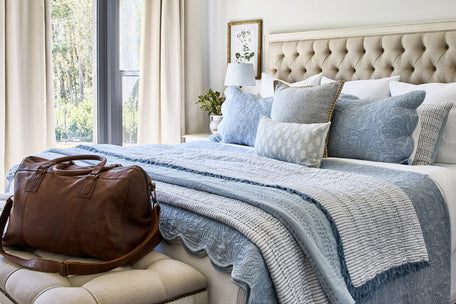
260,286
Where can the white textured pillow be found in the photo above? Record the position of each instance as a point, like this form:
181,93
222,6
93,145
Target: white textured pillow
370,88
267,83
437,93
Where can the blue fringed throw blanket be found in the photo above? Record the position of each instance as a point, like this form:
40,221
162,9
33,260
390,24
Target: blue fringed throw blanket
354,231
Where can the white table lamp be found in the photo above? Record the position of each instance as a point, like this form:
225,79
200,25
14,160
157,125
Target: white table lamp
240,74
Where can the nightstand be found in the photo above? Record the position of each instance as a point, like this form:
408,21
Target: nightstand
198,136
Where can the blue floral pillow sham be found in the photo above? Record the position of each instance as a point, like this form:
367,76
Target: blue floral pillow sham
241,115
377,130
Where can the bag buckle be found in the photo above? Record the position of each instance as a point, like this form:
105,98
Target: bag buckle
154,194
63,269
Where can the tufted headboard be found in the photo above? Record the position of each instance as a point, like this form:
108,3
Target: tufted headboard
419,53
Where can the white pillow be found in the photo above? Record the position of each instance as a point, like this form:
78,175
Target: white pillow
369,88
267,83
437,93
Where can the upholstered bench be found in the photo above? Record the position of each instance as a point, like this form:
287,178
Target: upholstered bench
155,278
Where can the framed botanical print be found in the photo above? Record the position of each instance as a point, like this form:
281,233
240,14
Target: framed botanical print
244,43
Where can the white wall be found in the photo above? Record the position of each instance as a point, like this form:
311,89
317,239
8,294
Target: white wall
300,15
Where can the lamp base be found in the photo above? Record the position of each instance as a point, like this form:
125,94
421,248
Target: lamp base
214,122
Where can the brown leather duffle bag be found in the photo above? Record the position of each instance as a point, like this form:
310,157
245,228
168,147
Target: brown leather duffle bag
106,212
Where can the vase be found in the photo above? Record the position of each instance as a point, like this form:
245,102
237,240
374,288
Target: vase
214,122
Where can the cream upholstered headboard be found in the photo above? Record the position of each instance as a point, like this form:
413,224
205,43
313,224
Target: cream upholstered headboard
419,53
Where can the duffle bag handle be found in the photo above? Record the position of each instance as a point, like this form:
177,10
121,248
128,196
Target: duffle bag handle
62,169
96,169
89,183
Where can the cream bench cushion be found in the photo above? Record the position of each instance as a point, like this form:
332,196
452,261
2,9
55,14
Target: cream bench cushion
155,278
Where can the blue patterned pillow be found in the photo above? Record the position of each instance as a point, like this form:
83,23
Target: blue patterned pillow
377,130
241,115
291,142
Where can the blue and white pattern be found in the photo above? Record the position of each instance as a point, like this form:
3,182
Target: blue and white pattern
273,242
433,118
305,105
378,130
241,115
274,186
302,144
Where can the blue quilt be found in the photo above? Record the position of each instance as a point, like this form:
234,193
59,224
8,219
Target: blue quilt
428,283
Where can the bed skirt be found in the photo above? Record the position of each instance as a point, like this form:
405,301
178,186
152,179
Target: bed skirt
220,288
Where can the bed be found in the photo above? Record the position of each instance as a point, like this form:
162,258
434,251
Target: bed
354,230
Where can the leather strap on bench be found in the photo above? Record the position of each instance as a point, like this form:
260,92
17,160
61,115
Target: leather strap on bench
81,268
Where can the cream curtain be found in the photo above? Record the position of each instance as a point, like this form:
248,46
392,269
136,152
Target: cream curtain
170,72
26,106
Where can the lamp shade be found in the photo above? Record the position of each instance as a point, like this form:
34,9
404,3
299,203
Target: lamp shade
240,74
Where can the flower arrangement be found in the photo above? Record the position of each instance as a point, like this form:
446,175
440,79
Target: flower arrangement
211,102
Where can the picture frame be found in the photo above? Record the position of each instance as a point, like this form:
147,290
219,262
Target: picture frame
245,42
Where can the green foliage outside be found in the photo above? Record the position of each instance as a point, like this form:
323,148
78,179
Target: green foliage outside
130,114
73,63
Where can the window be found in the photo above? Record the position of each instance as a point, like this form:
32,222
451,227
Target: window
95,55
130,43
73,70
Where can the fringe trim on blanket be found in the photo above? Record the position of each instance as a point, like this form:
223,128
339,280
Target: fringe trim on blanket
362,292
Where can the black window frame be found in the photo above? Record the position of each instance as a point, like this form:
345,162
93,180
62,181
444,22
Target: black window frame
109,85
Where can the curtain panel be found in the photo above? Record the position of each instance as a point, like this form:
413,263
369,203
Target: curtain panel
26,105
170,72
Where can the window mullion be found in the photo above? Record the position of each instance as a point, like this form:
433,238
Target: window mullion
109,93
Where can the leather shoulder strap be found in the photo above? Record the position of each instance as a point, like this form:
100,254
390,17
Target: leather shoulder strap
81,268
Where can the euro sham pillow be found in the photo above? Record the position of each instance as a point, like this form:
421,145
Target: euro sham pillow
241,115
305,105
377,130
437,93
369,88
267,83
292,142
